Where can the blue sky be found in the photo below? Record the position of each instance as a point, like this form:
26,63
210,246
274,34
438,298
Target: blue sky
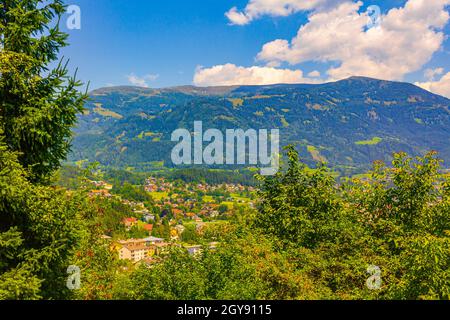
167,43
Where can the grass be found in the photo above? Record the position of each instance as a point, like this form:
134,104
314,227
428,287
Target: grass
226,118
155,136
315,154
229,204
157,164
265,96
284,122
208,199
238,197
237,102
107,113
374,141
157,195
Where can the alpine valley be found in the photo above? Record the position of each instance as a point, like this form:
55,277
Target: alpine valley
348,123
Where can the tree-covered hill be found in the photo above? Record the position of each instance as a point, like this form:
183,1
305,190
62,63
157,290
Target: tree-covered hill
349,123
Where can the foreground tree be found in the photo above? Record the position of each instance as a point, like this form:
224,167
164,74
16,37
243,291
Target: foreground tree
405,212
38,230
40,226
396,218
300,205
38,104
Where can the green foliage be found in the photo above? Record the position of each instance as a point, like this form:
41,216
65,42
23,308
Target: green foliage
328,115
39,228
162,230
137,233
241,268
310,238
130,192
296,204
373,141
98,265
222,208
109,215
189,234
313,239
195,175
38,105
398,219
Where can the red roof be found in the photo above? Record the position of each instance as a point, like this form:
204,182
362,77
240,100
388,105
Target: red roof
148,227
177,211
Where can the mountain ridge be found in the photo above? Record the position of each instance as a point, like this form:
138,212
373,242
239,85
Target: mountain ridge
217,90
347,123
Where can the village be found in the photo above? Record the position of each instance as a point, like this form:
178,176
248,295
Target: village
179,215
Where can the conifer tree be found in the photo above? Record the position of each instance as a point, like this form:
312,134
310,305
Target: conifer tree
39,101
39,225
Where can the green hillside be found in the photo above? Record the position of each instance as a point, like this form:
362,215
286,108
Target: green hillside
349,123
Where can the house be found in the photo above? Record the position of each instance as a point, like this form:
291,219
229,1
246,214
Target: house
173,234
197,219
193,250
100,193
148,217
180,228
134,252
138,249
152,240
177,212
102,184
130,241
214,214
151,188
148,227
129,222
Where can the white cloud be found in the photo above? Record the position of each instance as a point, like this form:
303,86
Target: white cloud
275,8
430,74
441,86
405,40
237,17
141,81
336,33
230,74
314,74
